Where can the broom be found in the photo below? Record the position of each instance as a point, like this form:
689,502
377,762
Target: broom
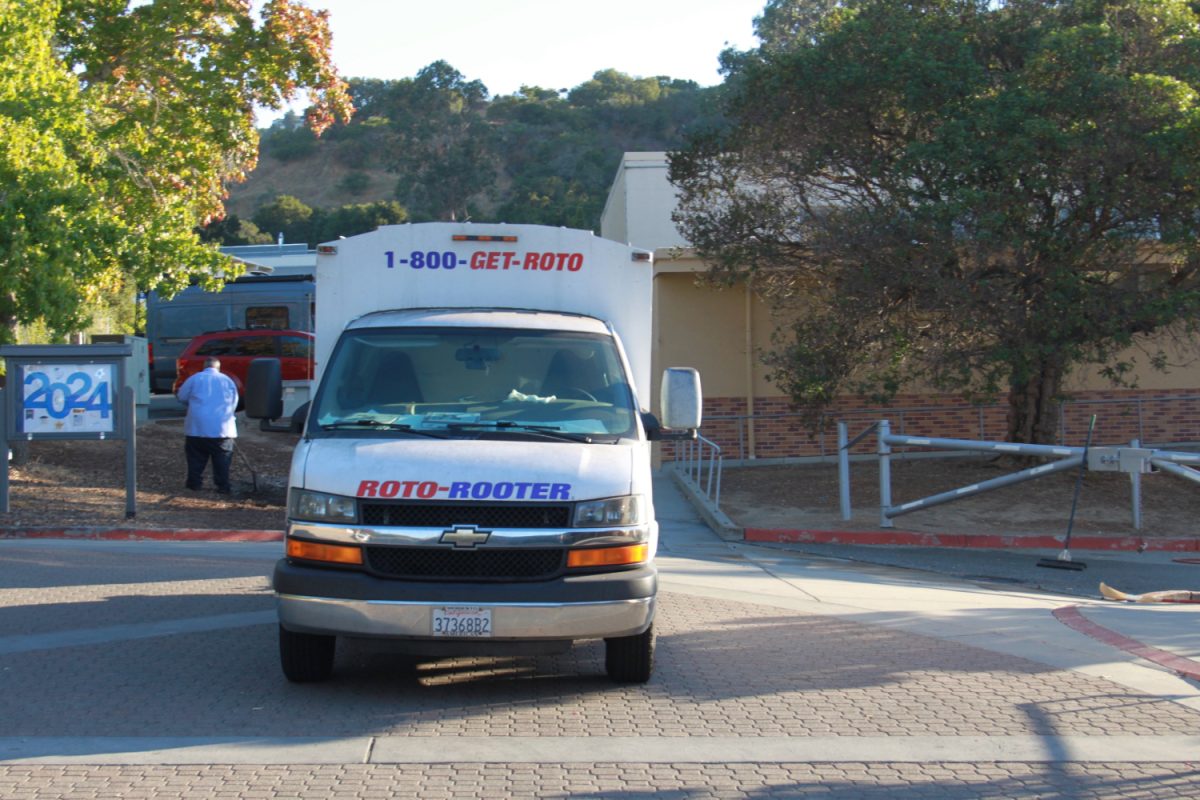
1064,558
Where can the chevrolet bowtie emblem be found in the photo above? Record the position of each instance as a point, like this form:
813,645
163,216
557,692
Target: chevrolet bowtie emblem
465,537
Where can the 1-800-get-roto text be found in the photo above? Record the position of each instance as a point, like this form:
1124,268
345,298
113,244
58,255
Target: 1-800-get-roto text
486,260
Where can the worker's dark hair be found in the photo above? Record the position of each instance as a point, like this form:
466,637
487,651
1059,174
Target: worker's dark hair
212,361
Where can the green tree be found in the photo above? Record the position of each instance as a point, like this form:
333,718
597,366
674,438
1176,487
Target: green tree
442,146
785,24
56,233
120,128
977,196
289,144
354,182
610,87
287,215
351,220
233,230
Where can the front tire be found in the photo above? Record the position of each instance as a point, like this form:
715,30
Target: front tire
630,659
306,657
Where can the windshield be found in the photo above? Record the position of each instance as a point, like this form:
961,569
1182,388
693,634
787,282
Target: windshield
471,382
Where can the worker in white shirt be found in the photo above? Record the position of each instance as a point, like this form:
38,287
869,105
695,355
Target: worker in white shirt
209,427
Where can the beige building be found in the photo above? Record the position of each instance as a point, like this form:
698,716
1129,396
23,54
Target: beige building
722,331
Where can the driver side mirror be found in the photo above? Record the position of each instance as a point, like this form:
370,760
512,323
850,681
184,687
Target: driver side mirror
264,389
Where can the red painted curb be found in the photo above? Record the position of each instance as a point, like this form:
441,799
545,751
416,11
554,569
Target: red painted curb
981,540
1074,619
142,534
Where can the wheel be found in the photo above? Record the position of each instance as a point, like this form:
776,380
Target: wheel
630,659
306,657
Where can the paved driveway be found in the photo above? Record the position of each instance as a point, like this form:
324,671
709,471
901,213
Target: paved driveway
150,669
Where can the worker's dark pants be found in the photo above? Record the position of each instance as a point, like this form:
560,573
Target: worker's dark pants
199,450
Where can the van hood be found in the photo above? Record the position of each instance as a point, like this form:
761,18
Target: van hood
465,469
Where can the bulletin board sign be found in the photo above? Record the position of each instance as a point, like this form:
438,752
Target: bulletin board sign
68,398
69,392
66,391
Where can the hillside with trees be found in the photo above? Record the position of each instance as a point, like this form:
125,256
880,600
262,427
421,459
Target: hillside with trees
438,146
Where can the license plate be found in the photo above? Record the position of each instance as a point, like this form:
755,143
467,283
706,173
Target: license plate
463,622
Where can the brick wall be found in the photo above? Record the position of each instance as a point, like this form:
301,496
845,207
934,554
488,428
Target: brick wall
1157,417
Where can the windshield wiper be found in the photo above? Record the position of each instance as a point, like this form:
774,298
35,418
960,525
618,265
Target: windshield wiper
378,424
549,431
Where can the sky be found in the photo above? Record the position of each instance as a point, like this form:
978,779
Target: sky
554,44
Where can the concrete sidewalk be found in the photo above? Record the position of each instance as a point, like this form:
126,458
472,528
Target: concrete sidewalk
959,591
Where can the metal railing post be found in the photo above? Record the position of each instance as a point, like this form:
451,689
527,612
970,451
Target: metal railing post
843,438
885,474
712,470
716,498
4,451
1135,481
129,406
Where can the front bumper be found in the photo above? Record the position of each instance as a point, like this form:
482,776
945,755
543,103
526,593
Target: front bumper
603,605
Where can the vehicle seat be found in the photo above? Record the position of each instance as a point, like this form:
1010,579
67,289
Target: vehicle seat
569,371
395,381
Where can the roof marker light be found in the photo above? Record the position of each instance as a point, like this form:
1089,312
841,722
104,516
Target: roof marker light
458,237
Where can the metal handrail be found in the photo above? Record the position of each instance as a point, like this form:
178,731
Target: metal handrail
693,462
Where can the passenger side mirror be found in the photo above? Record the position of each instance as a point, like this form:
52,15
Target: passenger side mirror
681,402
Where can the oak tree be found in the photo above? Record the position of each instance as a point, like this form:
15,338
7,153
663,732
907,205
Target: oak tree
120,129
977,196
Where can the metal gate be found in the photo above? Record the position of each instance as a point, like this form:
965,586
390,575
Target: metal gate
1132,459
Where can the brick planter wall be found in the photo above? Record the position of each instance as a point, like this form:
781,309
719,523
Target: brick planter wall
1156,417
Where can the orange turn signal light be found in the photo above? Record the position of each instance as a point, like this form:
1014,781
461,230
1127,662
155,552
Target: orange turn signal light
608,556
315,551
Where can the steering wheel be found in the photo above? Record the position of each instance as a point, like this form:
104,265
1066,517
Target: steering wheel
575,393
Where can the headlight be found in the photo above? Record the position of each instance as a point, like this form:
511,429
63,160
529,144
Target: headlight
321,507
611,512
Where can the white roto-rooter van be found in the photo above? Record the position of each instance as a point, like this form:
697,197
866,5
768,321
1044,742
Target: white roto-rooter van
474,473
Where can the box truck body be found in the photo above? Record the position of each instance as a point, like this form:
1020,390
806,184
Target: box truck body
474,474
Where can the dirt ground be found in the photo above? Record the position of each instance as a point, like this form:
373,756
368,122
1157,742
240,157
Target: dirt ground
806,497
70,484
79,483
